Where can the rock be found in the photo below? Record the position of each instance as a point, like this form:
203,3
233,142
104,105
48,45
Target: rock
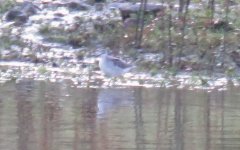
58,14
221,25
235,55
27,8
77,41
99,1
21,13
9,55
127,9
80,53
77,5
54,64
21,19
12,15
17,16
72,4
232,3
29,55
130,23
73,27
99,6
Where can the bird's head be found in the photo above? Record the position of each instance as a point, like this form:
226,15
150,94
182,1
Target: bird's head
102,53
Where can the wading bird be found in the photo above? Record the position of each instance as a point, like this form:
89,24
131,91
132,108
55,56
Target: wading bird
112,66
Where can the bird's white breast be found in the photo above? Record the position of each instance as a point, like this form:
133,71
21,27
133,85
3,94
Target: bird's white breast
108,68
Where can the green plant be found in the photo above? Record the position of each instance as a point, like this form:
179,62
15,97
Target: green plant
42,70
74,38
6,41
44,29
111,37
6,5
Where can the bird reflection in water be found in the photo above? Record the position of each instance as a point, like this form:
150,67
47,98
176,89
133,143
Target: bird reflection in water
110,99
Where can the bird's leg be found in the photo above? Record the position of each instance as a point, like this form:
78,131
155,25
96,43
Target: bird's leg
112,81
122,79
109,82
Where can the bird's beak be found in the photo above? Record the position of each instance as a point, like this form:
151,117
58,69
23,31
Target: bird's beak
100,53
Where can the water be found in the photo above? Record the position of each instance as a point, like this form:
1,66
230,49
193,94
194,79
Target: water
56,116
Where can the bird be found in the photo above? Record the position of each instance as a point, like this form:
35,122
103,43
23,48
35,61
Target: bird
112,66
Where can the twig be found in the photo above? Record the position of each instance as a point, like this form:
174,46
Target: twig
140,23
170,36
183,31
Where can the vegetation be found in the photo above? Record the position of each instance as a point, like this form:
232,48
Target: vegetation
204,37
110,34
7,41
6,5
74,37
42,70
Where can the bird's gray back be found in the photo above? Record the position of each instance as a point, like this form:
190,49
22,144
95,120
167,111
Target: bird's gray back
118,62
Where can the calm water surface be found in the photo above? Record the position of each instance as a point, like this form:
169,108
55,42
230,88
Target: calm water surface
56,116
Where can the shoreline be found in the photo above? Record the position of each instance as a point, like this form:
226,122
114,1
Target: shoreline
17,71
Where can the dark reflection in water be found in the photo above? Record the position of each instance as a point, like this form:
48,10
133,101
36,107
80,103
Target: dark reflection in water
56,116
24,114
